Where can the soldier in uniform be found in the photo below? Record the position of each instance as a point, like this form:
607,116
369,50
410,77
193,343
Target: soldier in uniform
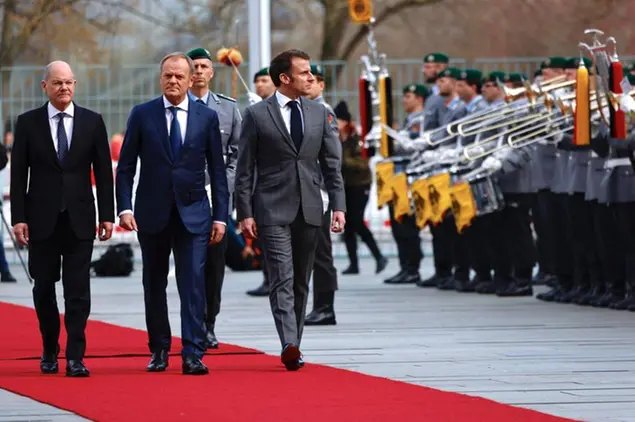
433,65
324,272
230,123
406,232
264,88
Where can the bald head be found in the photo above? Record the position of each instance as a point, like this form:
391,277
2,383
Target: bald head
59,84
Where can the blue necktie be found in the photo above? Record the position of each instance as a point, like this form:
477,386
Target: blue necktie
175,135
62,138
296,124
200,101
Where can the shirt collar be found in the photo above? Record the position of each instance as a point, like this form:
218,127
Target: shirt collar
283,100
473,102
52,111
204,98
184,105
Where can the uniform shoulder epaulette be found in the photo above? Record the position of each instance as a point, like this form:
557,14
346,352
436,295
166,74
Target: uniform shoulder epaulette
225,97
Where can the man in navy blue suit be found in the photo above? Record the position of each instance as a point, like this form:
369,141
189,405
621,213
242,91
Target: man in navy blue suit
174,138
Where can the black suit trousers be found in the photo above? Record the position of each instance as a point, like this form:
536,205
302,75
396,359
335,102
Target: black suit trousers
324,272
406,235
62,251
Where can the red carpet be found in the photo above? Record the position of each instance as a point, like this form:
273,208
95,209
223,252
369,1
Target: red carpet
21,338
248,387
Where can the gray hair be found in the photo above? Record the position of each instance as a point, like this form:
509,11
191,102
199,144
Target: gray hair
47,69
178,55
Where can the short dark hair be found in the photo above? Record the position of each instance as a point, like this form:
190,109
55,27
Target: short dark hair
282,64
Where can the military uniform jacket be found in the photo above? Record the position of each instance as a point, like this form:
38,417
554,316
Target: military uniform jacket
230,126
618,183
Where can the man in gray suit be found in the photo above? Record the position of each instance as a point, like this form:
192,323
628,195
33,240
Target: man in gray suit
288,142
229,119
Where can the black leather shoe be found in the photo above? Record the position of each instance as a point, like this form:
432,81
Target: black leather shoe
77,369
262,290
159,361
486,288
516,289
382,263
323,315
211,342
291,357
391,280
464,286
49,364
445,283
351,270
428,282
552,295
194,366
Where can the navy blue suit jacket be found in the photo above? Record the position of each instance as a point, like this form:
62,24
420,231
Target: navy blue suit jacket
164,180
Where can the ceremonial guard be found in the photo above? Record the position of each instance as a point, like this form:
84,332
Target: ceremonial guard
229,120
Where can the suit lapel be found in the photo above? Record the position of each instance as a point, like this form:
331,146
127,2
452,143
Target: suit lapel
48,141
274,109
192,118
158,115
308,122
75,137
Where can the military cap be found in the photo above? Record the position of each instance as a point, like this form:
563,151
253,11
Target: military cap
471,76
199,53
341,111
555,62
417,89
517,77
436,58
262,72
317,70
574,63
496,76
450,72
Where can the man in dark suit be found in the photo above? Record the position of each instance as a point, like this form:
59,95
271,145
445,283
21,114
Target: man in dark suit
176,139
229,118
278,189
53,209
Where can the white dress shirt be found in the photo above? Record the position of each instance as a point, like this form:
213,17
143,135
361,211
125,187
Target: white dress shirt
54,121
285,110
181,116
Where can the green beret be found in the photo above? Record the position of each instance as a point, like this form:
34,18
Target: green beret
418,90
436,58
574,63
515,77
631,78
317,70
555,62
450,72
471,76
262,72
199,53
496,76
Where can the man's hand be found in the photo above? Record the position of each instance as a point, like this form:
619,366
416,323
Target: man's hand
105,230
21,232
247,252
248,228
338,221
128,222
218,231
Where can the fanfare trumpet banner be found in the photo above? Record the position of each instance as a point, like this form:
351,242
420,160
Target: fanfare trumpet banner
385,171
421,200
582,122
401,200
463,205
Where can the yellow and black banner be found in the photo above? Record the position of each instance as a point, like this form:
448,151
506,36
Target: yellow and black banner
360,11
463,205
386,147
384,172
439,194
421,198
401,201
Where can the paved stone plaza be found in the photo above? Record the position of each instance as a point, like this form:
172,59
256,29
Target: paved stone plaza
561,359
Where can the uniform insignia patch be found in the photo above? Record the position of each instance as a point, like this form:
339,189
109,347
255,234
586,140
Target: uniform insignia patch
430,58
225,97
415,128
330,118
463,75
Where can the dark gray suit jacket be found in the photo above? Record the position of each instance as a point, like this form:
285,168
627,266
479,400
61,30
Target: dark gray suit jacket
274,179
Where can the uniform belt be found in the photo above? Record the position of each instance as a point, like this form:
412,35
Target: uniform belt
617,162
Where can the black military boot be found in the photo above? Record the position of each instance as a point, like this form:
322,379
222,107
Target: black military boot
629,298
612,294
429,282
574,294
517,288
592,295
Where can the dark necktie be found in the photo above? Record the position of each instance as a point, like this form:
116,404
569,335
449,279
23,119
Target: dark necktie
296,124
200,101
62,138
175,135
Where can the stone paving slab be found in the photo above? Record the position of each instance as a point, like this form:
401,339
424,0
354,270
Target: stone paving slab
561,359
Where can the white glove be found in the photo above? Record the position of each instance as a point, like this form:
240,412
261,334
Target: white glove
475,150
429,156
627,104
492,163
253,98
449,154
